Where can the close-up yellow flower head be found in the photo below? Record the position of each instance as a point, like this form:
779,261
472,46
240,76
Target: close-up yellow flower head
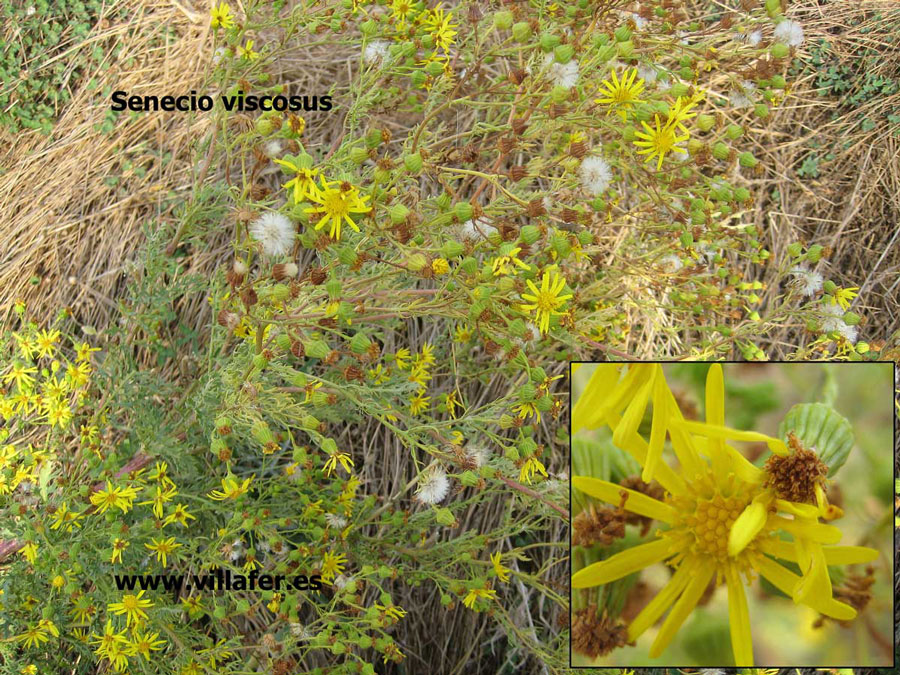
721,519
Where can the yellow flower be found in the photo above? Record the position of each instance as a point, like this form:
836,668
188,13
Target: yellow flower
391,611
440,266
441,27
66,519
121,498
507,264
247,52
132,606
231,488
419,402
843,296
531,467
161,498
502,572
221,16
145,643
332,565
681,110
723,521
659,140
621,95
401,358
179,514
33,637
46,342
118,546
335,456
335,204
546,301
21,375
30,669
29,550
476,593
83,351
163,548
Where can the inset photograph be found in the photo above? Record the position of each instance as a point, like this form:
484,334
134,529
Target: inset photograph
736,514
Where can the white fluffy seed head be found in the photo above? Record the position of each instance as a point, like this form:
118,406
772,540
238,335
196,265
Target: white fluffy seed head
595,175
789,32
562,74
478,455
376,51
275,233
335,521
433,485
806,281
479,228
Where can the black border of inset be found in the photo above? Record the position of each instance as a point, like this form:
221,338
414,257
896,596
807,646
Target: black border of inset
896,457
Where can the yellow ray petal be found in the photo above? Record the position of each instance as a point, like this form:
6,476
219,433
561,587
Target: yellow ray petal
663,473
661,601
797,509
815,581
658,426
776,445
806,529
702,573
786,581
739,619
637,502
622,564
747,525
634,413
683,445
834,555
585,414
739,464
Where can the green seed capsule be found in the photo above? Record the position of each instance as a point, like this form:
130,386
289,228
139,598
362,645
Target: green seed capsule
820,427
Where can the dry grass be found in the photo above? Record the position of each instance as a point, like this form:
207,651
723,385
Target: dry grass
65,232
853,206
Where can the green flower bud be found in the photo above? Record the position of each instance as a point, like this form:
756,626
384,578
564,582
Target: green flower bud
761,110
741,194
625,49
527,392
264,127
678,89
851,318
564,53
779,50
721,151
413,163
503,20
452,249
521,31
469,478
398,213
814,253
686,239
623,33
747,160
360,343
734,132
549,42
705,122
416,262
463,211
359,155
369,28
435,68
316,349
444,516
829,287
795,249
